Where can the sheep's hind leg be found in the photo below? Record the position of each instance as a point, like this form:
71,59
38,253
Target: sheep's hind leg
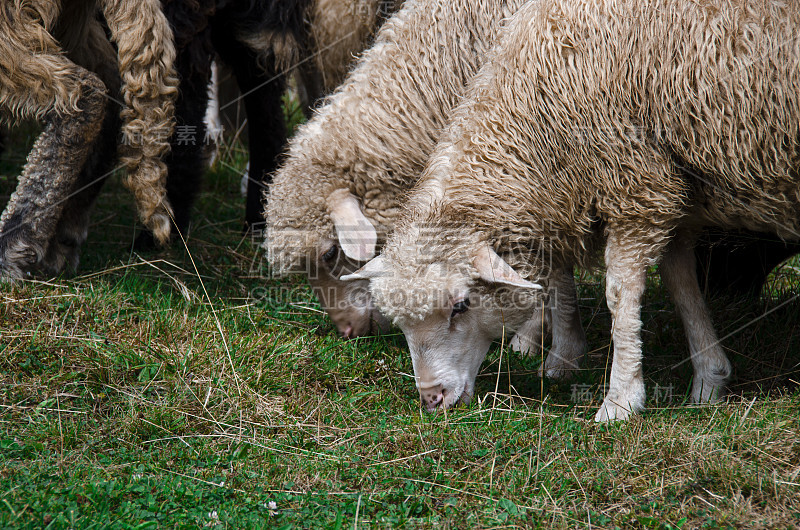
626,272
58,155
528,338
262,85
569,339
711,367
187,159
94,52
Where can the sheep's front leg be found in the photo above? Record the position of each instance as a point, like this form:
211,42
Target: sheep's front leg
626,271
711,366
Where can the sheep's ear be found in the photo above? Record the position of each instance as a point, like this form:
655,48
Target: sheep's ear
493,269
356,235
373,269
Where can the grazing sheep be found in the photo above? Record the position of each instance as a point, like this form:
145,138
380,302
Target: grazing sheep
47,49
349,168
622,122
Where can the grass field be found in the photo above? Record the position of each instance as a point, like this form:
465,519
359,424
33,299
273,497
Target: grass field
185,389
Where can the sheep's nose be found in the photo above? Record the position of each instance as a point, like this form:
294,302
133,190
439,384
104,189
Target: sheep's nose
347,332
432,397
345,328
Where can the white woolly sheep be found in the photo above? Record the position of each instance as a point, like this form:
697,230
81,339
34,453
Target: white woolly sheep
591,119
350,167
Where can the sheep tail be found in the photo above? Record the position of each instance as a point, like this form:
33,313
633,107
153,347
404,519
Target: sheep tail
150,86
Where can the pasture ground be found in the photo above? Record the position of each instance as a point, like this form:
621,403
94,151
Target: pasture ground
182,388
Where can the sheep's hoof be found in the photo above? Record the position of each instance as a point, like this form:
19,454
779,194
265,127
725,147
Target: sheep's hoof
560,365
563,372
18,259
611,411
144,242
524,345
705,391
61,255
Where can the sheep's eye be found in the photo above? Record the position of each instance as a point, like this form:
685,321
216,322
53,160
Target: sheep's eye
331,253
460,307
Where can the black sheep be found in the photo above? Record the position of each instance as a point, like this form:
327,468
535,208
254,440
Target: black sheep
244,34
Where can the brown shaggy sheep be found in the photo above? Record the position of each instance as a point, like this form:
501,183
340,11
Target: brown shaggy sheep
54,66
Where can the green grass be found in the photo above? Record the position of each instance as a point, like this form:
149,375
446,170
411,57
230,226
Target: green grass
145,393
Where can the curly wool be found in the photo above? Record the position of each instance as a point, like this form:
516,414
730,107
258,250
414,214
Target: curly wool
150,87
631,117
338,29
146,54
373,135
57,65
25,25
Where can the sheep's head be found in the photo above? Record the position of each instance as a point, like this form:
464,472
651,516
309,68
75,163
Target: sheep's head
450,308
325,254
